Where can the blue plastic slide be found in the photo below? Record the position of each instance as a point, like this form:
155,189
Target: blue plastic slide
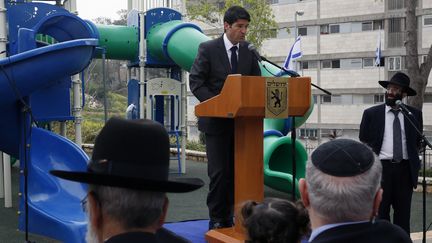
53,204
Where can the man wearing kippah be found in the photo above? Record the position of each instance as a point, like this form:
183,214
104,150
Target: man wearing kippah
395,141
342,194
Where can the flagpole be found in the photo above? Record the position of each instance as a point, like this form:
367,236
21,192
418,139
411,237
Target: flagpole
378,54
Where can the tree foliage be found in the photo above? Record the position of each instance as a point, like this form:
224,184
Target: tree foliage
262,26
122,13
418,73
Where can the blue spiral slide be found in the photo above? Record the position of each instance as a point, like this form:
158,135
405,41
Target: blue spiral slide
34,82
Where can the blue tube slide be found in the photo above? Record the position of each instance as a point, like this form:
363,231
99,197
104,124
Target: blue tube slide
53,204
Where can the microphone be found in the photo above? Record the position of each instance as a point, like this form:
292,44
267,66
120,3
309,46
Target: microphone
404,108
253,49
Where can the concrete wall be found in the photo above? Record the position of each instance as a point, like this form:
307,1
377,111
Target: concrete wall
350,42
285,12
343,8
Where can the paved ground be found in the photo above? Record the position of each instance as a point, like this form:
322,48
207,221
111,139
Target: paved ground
183,207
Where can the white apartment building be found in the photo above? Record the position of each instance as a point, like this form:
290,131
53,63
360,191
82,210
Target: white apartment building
339,38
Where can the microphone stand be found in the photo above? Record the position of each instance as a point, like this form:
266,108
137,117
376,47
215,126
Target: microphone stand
294,74
425,142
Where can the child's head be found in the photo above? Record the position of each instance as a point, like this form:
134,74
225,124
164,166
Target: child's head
275,220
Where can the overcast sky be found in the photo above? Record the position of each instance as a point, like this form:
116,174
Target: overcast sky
91,9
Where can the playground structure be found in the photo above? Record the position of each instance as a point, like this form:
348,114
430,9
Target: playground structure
35,84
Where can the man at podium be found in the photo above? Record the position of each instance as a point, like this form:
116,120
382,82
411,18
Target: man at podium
216,59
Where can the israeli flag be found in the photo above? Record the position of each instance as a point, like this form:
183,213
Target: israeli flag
378,50
294,53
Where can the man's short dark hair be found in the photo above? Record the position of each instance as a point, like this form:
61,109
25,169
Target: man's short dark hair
235,13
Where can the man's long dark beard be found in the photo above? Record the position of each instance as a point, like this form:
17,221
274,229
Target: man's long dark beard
391,101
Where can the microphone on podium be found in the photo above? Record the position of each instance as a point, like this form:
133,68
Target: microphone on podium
253,49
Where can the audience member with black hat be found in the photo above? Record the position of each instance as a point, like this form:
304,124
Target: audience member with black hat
128,180
342,194
394,139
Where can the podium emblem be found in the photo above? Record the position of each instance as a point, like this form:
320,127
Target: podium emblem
276,97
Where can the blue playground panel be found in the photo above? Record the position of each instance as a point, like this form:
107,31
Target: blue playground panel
38,77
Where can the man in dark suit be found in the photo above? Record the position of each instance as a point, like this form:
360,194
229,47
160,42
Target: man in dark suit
216,59
393,138
342,194
128,180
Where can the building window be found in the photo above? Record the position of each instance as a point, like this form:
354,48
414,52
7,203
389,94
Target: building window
330,63
313,64
354,63
326,99
308,133
427,98
368,62
302,31
368,99
367,26
309,65
283,33
324,29
395,4
395,63
334,28
304,65
336,99
335,63
378,24
378,98
326,64
427,20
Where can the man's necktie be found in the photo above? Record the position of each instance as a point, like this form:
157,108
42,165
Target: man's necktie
397,138
234,59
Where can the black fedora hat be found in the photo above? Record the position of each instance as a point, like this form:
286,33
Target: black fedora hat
400,79
131,154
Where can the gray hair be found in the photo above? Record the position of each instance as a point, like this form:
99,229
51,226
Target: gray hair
342,199
130,208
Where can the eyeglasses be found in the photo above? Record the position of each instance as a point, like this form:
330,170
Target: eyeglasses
85,200
84,203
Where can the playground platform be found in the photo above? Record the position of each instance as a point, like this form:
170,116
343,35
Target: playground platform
184,207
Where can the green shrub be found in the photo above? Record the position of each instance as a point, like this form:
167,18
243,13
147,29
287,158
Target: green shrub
197,146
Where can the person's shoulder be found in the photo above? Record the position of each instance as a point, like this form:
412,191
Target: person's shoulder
211,42
375,108
165,235
396,232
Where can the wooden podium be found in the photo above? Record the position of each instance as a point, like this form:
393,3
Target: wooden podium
243,99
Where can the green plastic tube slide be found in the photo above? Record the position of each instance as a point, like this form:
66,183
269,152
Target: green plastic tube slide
278,162
175,40
120,42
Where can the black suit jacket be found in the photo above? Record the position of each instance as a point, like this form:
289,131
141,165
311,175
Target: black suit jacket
379,232
162,236
372,133
208,73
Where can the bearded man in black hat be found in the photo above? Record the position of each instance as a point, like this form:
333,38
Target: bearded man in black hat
394,139
342,194
128,180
